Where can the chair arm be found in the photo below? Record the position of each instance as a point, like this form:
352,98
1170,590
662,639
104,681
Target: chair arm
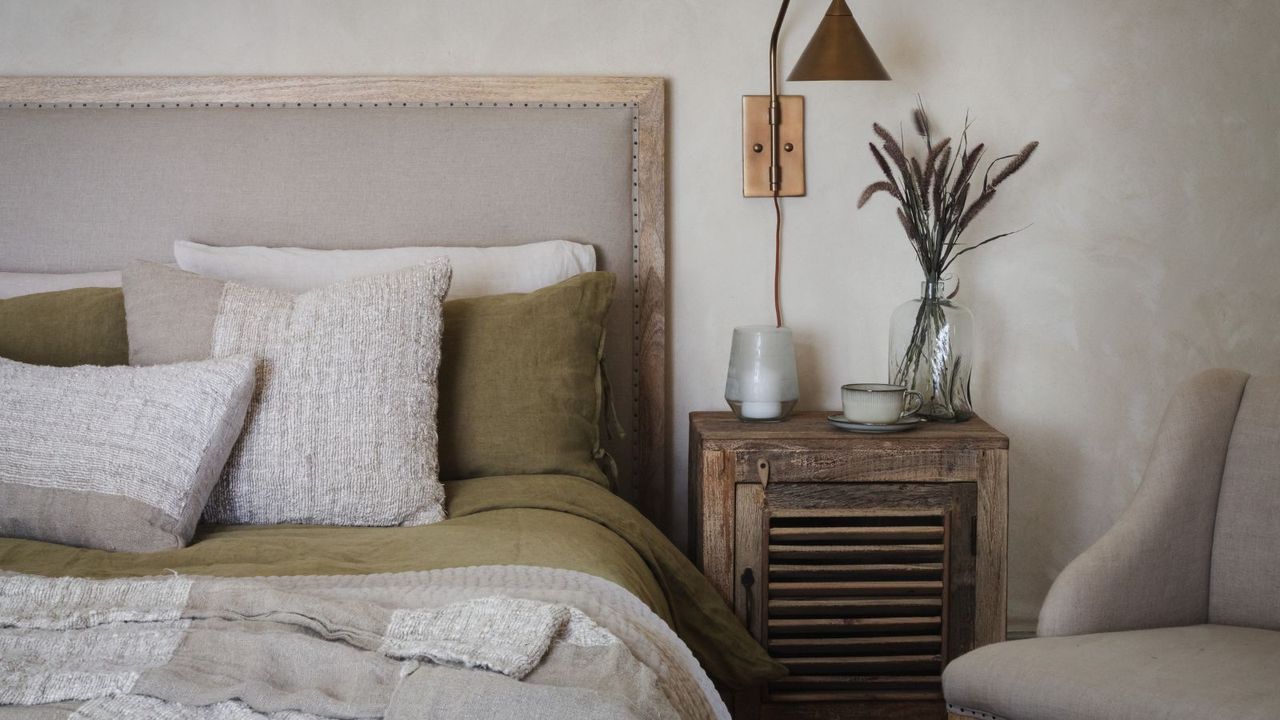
1151,569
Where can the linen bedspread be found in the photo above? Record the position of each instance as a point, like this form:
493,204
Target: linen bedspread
467,643
545,521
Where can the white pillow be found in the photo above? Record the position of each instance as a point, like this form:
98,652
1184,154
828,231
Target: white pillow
13,284
476,270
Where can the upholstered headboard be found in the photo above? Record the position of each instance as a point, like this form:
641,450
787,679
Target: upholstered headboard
95,172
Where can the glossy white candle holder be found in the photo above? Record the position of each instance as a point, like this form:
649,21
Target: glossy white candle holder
762,385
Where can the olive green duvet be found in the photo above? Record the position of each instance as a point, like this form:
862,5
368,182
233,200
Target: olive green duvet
536,520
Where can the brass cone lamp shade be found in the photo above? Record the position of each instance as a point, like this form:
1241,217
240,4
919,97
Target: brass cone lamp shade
838,50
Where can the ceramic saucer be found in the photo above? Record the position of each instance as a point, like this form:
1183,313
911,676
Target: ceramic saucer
844,423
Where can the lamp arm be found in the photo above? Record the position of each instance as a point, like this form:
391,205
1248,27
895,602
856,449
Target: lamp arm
773,51
775,107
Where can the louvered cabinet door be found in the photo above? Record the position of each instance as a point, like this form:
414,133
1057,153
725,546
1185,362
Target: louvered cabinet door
863,590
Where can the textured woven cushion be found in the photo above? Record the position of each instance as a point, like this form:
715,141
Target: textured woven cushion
70,327
520,387
342,429
116,458
476,270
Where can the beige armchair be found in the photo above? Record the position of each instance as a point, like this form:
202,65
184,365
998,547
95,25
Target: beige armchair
1174,613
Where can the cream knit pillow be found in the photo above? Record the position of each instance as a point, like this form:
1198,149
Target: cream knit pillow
342,427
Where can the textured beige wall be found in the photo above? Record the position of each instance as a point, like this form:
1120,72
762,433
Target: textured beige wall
1154,196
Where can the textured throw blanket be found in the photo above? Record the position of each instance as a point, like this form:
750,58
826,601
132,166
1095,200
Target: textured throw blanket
482,642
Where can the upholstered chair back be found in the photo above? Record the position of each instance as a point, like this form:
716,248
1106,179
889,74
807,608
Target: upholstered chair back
1200,543
1244,576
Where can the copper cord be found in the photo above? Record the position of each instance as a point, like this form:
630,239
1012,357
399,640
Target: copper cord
777,261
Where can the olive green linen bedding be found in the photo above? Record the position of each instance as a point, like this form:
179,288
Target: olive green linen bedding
534,520
84,326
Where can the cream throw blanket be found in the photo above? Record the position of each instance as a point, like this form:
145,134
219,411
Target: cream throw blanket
482,642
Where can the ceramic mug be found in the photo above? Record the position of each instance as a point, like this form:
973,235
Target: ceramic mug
879,404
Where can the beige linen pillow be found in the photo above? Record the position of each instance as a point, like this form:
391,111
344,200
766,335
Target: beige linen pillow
342,427
116,458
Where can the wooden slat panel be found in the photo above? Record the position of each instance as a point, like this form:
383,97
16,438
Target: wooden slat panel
836,688
852,709
992,566
855,607
891,465
887,499
854,534
852,625
885,696
717,499
856,682
857,514
749,530
856,552
748,553
839,564
321,88
812,647
837,570
855,664
882,588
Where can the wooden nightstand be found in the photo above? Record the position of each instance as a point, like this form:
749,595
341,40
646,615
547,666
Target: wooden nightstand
862,562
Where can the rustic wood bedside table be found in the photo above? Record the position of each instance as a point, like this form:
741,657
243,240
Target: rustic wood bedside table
863,563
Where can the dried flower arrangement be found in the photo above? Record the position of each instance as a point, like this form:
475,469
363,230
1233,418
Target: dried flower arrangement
933,196
935,209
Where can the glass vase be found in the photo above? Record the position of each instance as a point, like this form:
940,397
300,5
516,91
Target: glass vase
931,352
761,385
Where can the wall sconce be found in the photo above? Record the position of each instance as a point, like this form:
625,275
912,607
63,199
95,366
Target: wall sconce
773,124
761,385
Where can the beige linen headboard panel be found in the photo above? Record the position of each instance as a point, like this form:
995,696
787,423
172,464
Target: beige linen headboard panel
95,172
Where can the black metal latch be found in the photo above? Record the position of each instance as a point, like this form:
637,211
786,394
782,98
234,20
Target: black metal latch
748,581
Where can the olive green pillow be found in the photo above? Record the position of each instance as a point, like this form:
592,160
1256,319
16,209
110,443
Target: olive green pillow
520,386
520,382
84,326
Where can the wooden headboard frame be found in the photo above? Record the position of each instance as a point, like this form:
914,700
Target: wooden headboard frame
646,95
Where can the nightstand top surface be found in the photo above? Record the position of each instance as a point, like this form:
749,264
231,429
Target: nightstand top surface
723,426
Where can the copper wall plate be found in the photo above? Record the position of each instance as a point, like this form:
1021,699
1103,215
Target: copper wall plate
755,134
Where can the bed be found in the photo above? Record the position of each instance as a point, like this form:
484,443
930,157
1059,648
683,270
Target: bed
96,172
